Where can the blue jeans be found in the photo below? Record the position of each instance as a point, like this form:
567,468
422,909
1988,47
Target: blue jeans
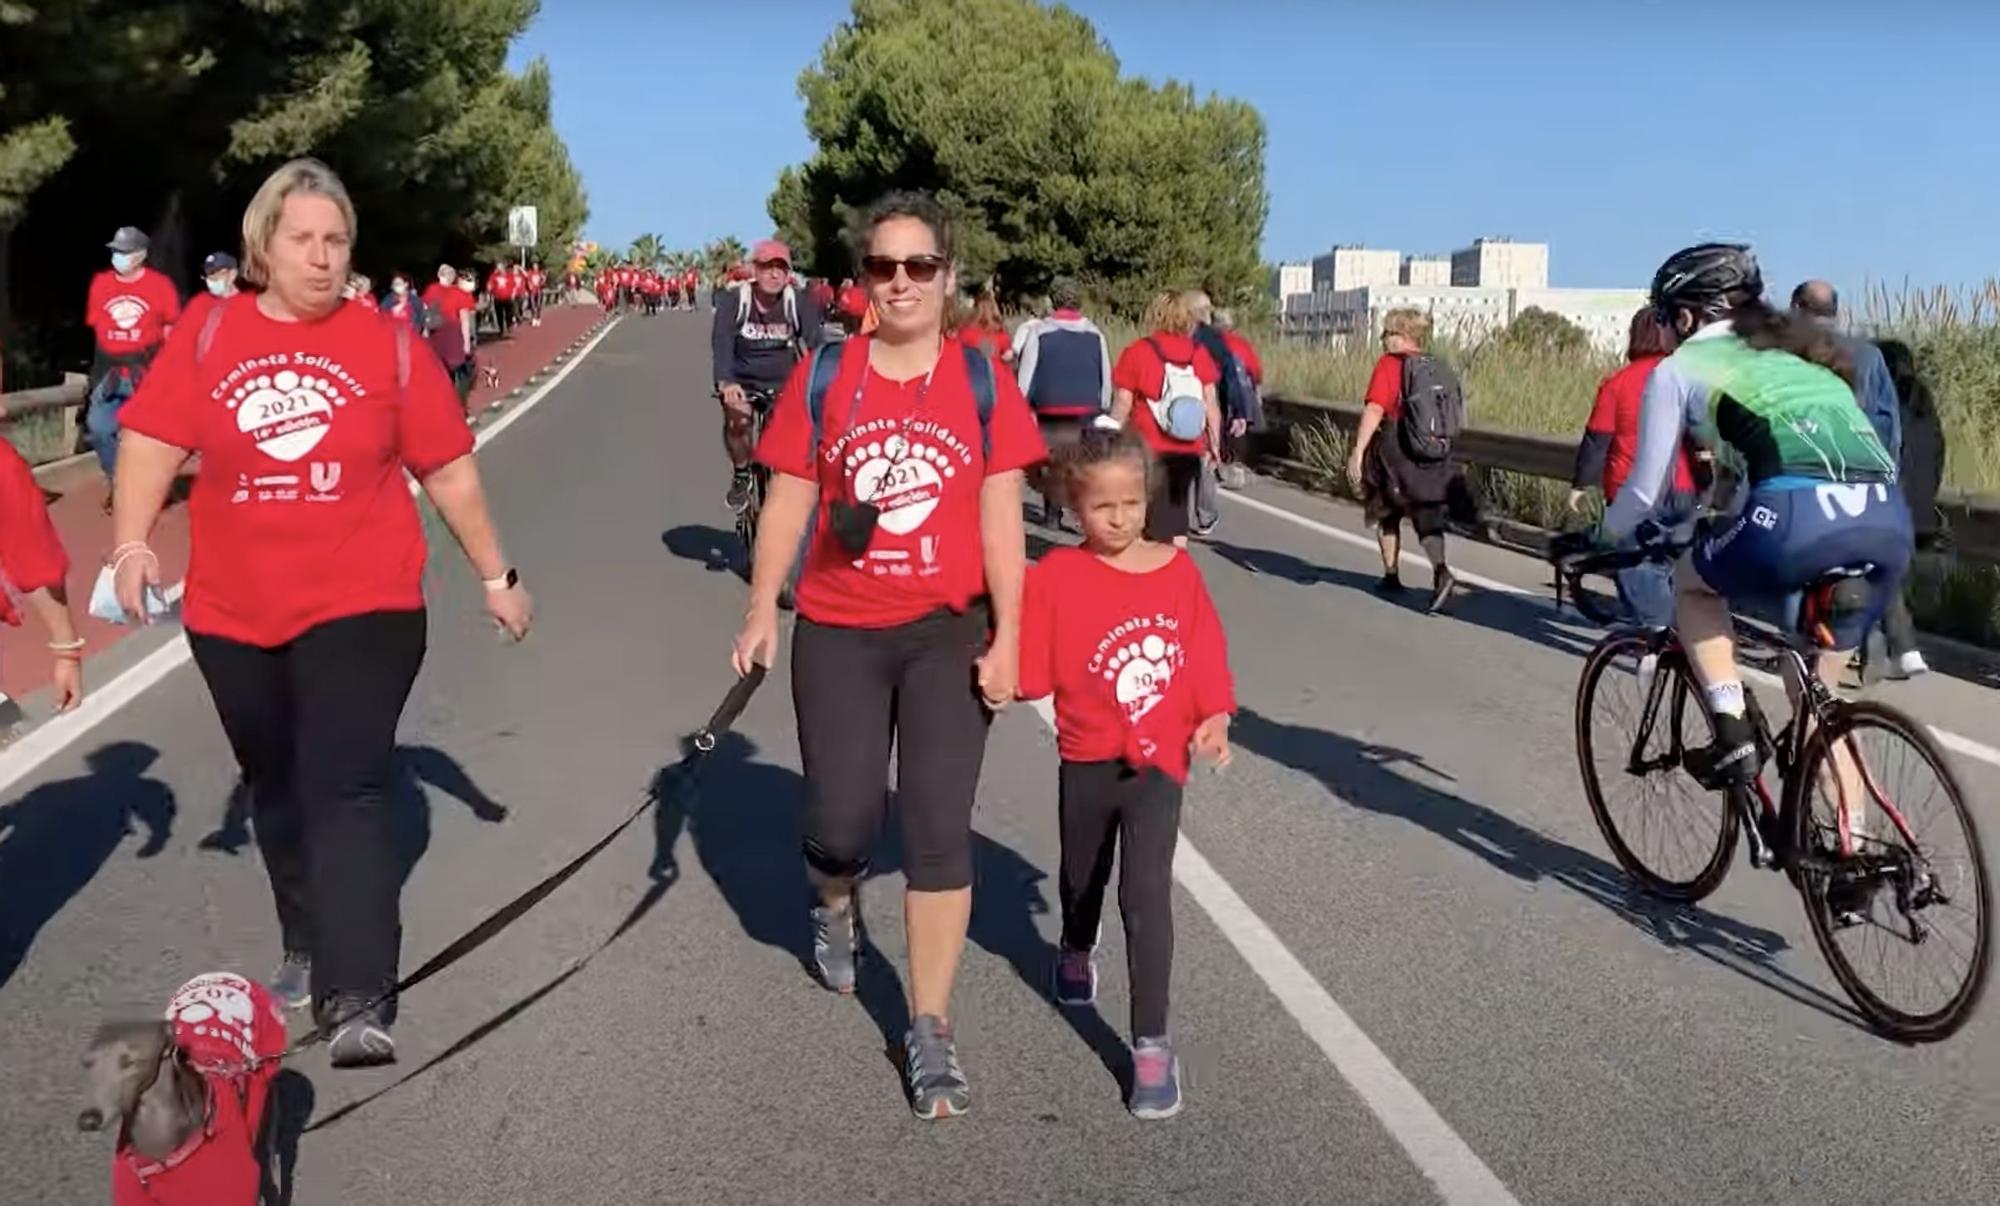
1647,590
101,419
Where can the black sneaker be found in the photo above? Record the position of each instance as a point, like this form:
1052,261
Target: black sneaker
1390,584
738,498
357,1037
1443,583
1733,760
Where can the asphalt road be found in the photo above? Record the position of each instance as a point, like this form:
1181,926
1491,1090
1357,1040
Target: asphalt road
1408,970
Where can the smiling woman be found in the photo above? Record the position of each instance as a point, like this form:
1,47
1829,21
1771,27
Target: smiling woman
304,603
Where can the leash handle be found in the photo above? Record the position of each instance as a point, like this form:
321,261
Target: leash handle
731,707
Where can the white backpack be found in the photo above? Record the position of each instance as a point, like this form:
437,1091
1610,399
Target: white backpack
1178,410
743,291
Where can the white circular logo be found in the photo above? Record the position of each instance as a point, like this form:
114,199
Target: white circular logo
126,311
905,480
286,414
1141,672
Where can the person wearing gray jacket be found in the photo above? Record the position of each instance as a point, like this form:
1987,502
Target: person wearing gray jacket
1064,368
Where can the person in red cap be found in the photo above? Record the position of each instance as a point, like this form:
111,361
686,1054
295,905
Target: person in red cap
756,341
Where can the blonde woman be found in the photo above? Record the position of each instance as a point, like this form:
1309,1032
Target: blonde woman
1392,483
1164,389
304,604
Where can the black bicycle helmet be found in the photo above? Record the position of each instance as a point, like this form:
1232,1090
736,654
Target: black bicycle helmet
1706,278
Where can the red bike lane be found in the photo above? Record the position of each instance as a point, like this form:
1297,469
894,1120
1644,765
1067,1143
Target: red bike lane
77,507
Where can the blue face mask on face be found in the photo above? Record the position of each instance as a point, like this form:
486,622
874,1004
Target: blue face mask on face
125,261
218,285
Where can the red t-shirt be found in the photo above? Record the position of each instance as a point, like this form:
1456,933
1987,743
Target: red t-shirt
1616,413
996,344
1385,387
198,306
853,301
131,316
31,552
1246,352
301,513
1135,661
1141,370
536,280
367,302
915,451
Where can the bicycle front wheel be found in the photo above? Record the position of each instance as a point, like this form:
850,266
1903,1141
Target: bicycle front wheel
1902,910
1636,715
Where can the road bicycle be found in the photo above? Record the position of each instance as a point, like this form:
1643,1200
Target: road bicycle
760,401
1869,822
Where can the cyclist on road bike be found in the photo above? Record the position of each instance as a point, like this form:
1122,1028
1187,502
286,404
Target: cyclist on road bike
760,333
1820,487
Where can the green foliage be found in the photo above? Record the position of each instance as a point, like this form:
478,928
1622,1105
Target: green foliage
719,255
647,250
1052,163
1537,330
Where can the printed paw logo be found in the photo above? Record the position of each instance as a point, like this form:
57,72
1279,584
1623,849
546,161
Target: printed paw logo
905,480
287,414
125,311
1141,672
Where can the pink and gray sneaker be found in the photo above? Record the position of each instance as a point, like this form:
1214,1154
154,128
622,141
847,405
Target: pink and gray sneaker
1156,1079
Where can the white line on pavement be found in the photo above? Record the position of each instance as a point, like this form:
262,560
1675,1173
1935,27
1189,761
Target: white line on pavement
1461,1177
27,755
1954,742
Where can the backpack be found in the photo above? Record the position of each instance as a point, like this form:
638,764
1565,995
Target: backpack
743,290
1433,408
826,360
209,325
1179,410
1239,394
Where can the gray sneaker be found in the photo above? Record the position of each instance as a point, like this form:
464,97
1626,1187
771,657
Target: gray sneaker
292,984
836,945
359,1039
1156,1079
931,1072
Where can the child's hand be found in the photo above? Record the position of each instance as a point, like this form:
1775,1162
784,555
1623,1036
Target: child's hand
1211,740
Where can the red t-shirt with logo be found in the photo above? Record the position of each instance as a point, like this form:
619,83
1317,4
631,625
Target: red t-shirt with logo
1141,370
1616,414
31,553
131,316
914,449
301,513
537,280
1135,661
996,344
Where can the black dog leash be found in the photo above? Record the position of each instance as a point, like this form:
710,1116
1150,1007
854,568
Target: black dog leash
704,742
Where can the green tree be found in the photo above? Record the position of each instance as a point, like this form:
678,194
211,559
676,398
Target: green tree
647,251
1539,330
721,254
1050,160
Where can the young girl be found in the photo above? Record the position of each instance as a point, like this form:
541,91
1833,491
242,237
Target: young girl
1122,632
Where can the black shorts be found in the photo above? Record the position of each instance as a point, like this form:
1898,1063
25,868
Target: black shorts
857,691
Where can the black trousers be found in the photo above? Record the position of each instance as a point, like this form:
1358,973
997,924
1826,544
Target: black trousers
313,726
1173,486
1107,810
857,690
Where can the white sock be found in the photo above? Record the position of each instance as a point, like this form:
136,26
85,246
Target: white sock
1725,699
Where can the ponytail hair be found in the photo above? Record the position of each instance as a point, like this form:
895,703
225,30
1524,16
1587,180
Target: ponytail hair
1074,463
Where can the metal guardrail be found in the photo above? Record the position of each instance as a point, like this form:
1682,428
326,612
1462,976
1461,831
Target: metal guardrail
1973,520
69,395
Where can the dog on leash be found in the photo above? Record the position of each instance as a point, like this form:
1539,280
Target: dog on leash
492,376
189,1095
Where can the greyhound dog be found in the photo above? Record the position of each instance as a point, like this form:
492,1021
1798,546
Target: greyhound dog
188,1095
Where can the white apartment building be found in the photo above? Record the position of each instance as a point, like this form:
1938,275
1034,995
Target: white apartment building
1501,264
1466,313
1426,270
1291,280
1345,268
1604,314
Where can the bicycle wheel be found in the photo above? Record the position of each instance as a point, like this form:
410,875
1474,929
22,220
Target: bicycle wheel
1905,919
1668,833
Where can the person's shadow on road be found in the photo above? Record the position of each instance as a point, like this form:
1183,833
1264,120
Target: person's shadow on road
717,551
55,839
1363,775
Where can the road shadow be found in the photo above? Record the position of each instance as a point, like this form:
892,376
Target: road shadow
55,839
1364,775
716,550
290,1105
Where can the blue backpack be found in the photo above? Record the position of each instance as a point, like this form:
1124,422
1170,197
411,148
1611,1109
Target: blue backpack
826,366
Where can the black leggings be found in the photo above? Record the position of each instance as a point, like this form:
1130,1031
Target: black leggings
313,725
1167,506
858,689
1106,809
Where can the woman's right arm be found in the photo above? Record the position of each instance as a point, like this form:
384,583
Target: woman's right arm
781,527
146,470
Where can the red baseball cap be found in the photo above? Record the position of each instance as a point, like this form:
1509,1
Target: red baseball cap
771,249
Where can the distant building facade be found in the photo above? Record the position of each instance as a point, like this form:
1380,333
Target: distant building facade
1426,270
1346,268
1501,264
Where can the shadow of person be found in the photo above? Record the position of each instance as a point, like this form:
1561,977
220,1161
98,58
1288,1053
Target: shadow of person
417,768
717,551
54,840
290,1106
1365,775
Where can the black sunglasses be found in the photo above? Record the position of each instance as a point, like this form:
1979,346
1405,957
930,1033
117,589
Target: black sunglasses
881,269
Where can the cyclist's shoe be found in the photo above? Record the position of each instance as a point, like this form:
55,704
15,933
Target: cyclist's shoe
738,498
1733,760
1443,583
836,943
1156,1080
292,985
357,1037
1390,584
1075,977
930,1070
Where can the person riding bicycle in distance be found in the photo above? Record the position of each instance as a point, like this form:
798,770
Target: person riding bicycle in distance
1819,488
757,339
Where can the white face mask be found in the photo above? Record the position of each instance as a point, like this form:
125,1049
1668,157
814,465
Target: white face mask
218,285
125,261
465,285
400,287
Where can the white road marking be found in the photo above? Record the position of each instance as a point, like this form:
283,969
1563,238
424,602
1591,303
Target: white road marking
1445,1159
1955,742
36,747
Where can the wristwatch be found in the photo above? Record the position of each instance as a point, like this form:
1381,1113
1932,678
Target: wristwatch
506,581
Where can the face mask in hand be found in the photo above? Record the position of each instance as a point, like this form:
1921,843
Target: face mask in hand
125,261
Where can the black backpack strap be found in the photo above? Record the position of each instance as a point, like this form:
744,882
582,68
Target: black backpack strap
979,371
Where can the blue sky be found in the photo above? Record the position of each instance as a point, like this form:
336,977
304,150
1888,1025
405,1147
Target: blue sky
1859,141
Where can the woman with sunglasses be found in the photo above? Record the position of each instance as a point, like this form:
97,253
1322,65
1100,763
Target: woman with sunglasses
909,610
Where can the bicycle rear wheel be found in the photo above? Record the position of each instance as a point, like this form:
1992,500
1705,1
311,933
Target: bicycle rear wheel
1904,918
1632,727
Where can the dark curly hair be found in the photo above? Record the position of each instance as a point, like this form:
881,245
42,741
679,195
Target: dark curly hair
921,206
